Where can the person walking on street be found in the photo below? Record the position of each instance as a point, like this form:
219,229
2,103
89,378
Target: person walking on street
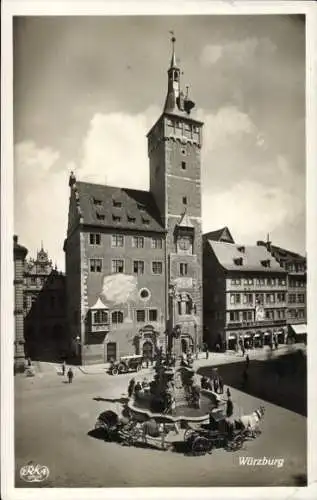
131,387
216,385
70,375
228,393
247,360
229,409
243,350
63,368
206,350
220,380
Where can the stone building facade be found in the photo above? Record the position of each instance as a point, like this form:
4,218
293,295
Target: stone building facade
245,291
19,254
134,258
296,267
44,309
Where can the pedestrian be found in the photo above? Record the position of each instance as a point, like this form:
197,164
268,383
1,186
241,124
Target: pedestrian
63,367
229,409
131,387
147,362
247,360
29,362
228,393
137,388
217,347
243,350
216,385
70,375
220,385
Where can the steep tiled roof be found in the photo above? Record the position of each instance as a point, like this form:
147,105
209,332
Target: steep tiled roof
109,206
229,257
219,235
287,253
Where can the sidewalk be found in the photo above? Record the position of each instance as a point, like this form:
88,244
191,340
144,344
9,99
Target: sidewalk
215,358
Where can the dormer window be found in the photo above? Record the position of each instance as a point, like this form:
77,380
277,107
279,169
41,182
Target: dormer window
100,216
238,261
117,203
145,221
141,206
116,218
131,219
97,202
241,249
266,263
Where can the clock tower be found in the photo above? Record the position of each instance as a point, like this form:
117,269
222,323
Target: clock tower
174,149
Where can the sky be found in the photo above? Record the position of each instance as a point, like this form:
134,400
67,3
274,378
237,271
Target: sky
88,89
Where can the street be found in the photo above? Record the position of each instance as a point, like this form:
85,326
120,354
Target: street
53,420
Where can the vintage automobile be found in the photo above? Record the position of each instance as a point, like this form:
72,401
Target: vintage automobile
126,364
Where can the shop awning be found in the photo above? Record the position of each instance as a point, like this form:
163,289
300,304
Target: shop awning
300,329
232,337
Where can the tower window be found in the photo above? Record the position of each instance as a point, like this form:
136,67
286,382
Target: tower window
183,269
184,164
184,200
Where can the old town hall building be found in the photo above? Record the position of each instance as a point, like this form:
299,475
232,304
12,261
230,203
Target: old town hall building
134,258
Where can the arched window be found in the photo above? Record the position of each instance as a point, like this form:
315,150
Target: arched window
100,317
185,304
117,317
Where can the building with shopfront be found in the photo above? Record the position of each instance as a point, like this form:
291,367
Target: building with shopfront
44,309
296,267
19,255
245,294
134,258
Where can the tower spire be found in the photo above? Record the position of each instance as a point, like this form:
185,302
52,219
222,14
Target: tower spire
173,59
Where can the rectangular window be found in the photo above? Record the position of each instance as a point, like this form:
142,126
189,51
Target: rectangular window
292,298
269,298
235,298
138,267
100,216
281,297
117,266
281,282
269,314
157,267
300,298
131,219
137,241
183,269
184,200
248,281
97,202
153,315
301,313
156,243
234,316
116,218
236,281
94,238
95,265
117,203
117,240
183,165
140,315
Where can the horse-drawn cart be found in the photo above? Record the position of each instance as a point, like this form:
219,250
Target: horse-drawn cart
218,433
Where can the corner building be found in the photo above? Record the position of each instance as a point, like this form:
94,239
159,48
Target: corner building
134,258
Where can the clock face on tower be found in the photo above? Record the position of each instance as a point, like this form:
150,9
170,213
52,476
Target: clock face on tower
184,244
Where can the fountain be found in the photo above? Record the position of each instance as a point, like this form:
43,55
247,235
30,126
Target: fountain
174,394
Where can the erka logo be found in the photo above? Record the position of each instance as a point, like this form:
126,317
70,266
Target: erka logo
34,473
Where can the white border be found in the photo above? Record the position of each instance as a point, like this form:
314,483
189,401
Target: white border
82,8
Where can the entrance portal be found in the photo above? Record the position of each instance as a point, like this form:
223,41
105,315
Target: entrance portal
147,350
184,345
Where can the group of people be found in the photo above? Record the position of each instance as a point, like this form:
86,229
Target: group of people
136,387
214,384
70,373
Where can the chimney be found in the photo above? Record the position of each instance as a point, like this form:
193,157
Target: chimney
15,238
72,179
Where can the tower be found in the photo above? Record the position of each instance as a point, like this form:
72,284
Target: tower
174,149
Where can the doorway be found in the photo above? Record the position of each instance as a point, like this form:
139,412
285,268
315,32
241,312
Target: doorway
147,350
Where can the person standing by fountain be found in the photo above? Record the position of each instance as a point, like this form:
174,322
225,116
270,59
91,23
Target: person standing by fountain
229,409
131,387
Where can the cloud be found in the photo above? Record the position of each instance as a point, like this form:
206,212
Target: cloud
238,51
114,150
249,208
41,198
227,125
